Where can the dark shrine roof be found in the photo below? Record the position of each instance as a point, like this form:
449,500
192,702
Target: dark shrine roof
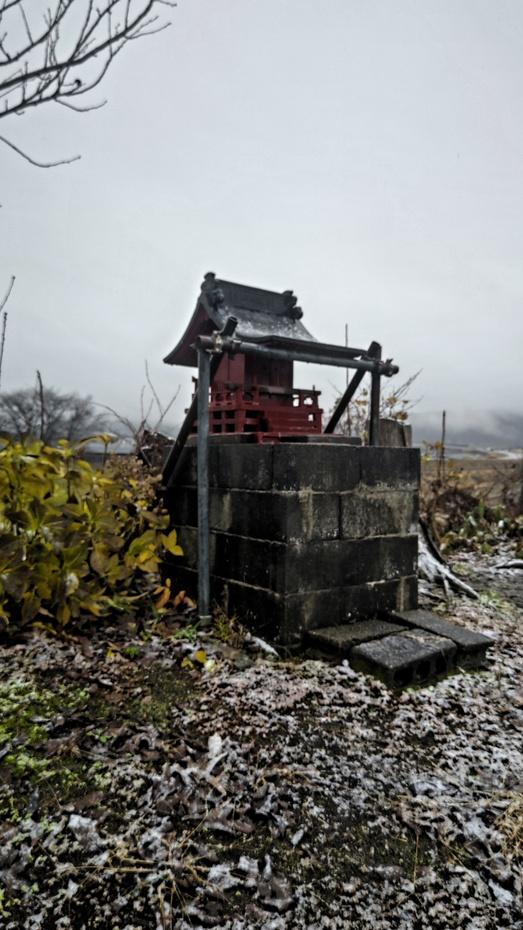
259,313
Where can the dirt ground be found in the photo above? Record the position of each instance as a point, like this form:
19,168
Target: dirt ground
167,780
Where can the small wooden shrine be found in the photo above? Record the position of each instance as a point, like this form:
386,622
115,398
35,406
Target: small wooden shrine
252,394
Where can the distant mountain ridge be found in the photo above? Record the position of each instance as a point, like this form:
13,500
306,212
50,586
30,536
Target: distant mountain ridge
488,430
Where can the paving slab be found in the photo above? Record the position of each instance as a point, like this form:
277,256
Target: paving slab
472,646
406,658
341,639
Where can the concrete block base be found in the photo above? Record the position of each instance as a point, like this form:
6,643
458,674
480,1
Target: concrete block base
303,535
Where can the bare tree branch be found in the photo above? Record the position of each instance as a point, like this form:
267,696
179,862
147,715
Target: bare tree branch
166,409
4,321
52,53
33,161
2,342
8,293
45,67
86,109
139,431
42,404
153,389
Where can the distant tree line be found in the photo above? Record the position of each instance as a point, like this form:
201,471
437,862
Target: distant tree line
44,413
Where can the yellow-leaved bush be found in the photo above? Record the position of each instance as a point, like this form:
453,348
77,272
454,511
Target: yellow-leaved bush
76,540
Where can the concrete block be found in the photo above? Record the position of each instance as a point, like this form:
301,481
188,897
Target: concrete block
261,610
311,515
330,438
407,593
234,465
310,609
377,597
290,568
406,658
186,474
182,504
344,562
341,639
472,646
398,556
307,610
318,467
188,540
391,468
276,515
378,512
395,433
252,561
183,578
241,466
286,618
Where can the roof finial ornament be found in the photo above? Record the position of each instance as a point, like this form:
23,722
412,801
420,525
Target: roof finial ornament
208,280
290,300
214,294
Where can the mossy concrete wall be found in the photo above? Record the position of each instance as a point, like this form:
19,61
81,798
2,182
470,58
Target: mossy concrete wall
304,535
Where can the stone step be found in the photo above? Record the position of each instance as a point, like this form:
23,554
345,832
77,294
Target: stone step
410,647
406,658
341,639
471,646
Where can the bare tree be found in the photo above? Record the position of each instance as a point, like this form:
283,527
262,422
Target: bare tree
59,52
44,413
150,444
395,404
4,321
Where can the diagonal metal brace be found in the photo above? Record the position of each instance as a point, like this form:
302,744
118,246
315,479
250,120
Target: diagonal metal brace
374,351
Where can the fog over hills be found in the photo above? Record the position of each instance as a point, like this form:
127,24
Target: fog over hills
494,429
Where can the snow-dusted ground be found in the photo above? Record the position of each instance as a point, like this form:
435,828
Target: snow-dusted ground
238,791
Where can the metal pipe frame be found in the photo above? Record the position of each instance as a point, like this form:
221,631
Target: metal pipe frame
374,419
234,346
202,440
210,350
174,460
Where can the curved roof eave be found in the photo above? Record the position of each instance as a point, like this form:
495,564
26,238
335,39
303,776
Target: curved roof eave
264,320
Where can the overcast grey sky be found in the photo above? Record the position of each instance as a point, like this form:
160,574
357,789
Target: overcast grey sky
366,153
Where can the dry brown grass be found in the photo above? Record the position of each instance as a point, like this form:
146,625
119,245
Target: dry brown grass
511,825
492,479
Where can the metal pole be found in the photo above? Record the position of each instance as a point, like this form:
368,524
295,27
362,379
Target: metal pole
204,381
346,346
374,426
353,386
176,453
175,458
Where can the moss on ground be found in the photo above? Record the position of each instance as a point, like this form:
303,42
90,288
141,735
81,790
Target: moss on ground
32,712
27,713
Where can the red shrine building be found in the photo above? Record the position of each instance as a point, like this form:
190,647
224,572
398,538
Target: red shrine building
251,393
